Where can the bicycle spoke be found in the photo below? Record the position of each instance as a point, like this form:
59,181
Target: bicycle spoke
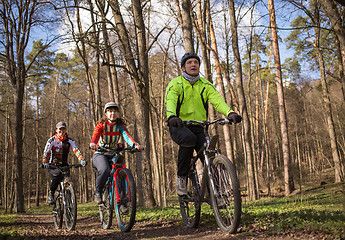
70,210
57,210
189,205
126,200
226,199
106,209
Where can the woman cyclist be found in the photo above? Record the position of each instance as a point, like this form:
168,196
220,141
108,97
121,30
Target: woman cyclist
56,153
107,134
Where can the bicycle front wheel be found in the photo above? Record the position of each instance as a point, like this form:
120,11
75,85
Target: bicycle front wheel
126,202
106,209
58,209
226,203
190,206
70,209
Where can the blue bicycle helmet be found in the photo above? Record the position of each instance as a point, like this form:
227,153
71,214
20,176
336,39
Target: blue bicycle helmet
187,56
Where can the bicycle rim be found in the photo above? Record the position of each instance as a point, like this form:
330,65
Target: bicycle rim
189,205
106,209
227,204
70,209
57,210
126,191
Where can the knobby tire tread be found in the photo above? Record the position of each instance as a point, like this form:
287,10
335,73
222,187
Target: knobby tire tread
122,222
58,215
70,210
224,225
191,203
106,209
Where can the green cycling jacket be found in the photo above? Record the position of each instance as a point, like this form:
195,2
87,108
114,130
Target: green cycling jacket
189,102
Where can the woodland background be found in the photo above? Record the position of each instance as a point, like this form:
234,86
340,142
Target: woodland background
63,60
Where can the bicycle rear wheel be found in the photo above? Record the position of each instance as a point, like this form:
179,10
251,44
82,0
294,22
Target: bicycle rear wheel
106,209
58,209
189,205
126,204
227,203
70,209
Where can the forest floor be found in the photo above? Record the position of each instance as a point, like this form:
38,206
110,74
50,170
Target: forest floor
40,226
316,213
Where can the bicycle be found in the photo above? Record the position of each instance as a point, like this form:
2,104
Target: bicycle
65,202
219,178
121,184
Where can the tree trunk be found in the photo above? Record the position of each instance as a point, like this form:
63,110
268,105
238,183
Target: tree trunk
97,76
17,19
94,88
6,157
140,86
288,178
143,108
162,123
18,143
187,26
38,152
219,77
201,30
252,189
113,95
339,175
338,25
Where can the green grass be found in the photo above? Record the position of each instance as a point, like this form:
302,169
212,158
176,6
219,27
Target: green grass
7,231
317,210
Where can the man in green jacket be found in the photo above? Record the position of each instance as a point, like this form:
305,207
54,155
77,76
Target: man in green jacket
187,98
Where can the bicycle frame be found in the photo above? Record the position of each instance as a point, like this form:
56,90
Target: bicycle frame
65,180
62,202
120,186
206,151
113,176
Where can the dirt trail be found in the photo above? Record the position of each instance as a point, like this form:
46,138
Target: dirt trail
36,226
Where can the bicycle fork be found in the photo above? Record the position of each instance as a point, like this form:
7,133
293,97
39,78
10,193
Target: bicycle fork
210,175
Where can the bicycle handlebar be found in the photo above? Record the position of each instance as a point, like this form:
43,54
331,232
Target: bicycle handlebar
220,121
64,168
116,150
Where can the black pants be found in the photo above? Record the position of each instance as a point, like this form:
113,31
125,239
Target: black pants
189,138
57,177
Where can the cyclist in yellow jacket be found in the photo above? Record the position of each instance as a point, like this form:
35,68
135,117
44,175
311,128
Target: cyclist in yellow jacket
186,98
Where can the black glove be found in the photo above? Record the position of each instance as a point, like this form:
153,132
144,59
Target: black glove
120,147
234,117
175,122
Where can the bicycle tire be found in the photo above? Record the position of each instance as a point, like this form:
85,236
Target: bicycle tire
106,208
70,208
227,205
58,209
190,207
127,191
